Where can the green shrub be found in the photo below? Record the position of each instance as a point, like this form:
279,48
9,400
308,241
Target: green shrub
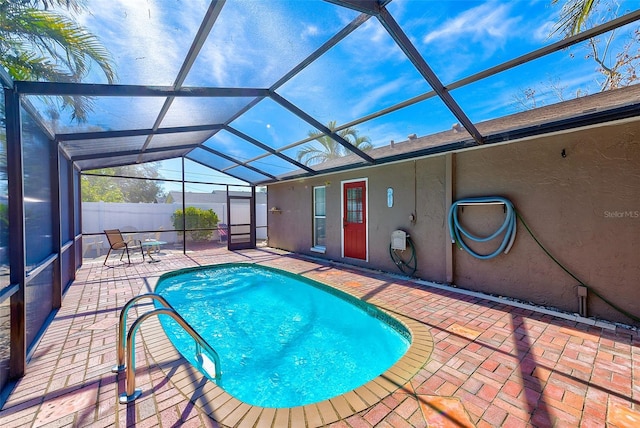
197,218
4,225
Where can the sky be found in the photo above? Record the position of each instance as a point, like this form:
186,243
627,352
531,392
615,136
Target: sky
254,43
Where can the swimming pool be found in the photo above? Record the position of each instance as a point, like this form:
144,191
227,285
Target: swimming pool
283,340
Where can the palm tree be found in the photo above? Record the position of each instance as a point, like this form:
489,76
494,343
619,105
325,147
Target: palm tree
618,68
41,44
326,148
574,15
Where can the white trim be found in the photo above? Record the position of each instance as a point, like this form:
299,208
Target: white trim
515,303
317,247
366,218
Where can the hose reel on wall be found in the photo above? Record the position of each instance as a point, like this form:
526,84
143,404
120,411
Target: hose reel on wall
402,252
508,227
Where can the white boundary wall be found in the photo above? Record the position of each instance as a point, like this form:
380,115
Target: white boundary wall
128,217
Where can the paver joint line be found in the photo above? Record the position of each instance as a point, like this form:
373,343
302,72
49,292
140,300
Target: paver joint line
512,365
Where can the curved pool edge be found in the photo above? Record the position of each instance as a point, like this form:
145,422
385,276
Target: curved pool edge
230,411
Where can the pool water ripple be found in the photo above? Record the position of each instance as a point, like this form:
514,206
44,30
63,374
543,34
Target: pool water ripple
283,341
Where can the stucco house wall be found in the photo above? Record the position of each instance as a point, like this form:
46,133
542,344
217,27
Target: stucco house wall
584,207
292,228
578,191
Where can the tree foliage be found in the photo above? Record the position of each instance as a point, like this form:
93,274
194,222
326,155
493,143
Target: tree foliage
326,148
203,221
573,15
132,184
96,188
616,54
620,69
42,44
4,225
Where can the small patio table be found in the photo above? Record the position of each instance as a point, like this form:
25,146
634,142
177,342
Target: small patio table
149,245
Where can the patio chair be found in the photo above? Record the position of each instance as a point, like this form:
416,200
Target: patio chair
117,242
94,243
223,232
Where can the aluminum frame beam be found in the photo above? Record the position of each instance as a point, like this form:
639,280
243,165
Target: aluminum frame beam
348,29
109,163
17,254
104,90
134,132
215,169
378,9
338,37
401,39
112,154
201,36
266,148
313,122
590,119
549,49
371,7
539,53
231,159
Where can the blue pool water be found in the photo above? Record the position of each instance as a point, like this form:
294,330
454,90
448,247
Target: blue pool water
283,340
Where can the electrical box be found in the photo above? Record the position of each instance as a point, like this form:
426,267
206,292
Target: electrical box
399,240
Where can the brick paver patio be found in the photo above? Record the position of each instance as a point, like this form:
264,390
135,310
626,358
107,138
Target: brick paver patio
492,364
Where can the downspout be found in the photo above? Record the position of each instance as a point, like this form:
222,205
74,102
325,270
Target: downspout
449,160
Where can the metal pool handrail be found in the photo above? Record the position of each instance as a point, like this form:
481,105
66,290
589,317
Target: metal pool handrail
131,392
122,325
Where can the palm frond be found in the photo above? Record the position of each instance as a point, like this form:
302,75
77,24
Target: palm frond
27,65
61,38
325,148
573,16
73,5
45,45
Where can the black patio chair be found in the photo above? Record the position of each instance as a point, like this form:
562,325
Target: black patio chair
117,242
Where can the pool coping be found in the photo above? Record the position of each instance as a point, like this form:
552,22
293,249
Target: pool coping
229,411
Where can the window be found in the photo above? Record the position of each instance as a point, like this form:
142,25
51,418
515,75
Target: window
354,205
319,219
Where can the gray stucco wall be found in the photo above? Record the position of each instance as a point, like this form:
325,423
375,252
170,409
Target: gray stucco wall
292,229
584,207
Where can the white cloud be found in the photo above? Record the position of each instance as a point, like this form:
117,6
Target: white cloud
146,39
377,32
542,32
368,98
310,31
370,44
253,44
227,143
381,134
488,21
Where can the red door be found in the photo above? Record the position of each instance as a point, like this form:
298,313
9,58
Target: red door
354,220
